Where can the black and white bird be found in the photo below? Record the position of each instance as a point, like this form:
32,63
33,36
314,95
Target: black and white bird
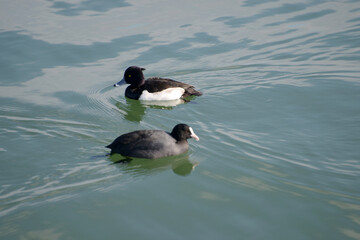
155,88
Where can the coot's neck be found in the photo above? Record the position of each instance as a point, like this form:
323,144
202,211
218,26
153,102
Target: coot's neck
179,138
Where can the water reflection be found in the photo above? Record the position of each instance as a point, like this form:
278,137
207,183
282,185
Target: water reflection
181,165
25,66
163,104
50,233
190,48
73,9
135,109
287,8
304,17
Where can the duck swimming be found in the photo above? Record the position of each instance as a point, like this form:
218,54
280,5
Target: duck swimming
153,143
154,88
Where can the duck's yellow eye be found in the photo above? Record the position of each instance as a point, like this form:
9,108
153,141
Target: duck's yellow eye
129,75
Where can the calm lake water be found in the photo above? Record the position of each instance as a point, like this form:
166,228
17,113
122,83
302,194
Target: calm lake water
279,121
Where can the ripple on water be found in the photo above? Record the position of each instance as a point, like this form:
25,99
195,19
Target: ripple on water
278,121
65,181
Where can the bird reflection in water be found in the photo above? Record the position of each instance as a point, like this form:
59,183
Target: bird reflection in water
134,110
181,165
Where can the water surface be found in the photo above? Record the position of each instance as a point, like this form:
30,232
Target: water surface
278,122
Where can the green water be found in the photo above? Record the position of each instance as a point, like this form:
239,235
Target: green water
279,121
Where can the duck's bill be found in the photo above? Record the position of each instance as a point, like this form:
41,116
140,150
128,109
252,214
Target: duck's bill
122,82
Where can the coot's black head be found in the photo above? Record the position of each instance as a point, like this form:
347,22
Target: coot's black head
182,132
133,76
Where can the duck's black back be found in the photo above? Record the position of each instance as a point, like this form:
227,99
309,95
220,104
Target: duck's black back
156,84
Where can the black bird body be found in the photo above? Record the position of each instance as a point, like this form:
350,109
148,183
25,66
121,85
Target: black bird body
153,143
